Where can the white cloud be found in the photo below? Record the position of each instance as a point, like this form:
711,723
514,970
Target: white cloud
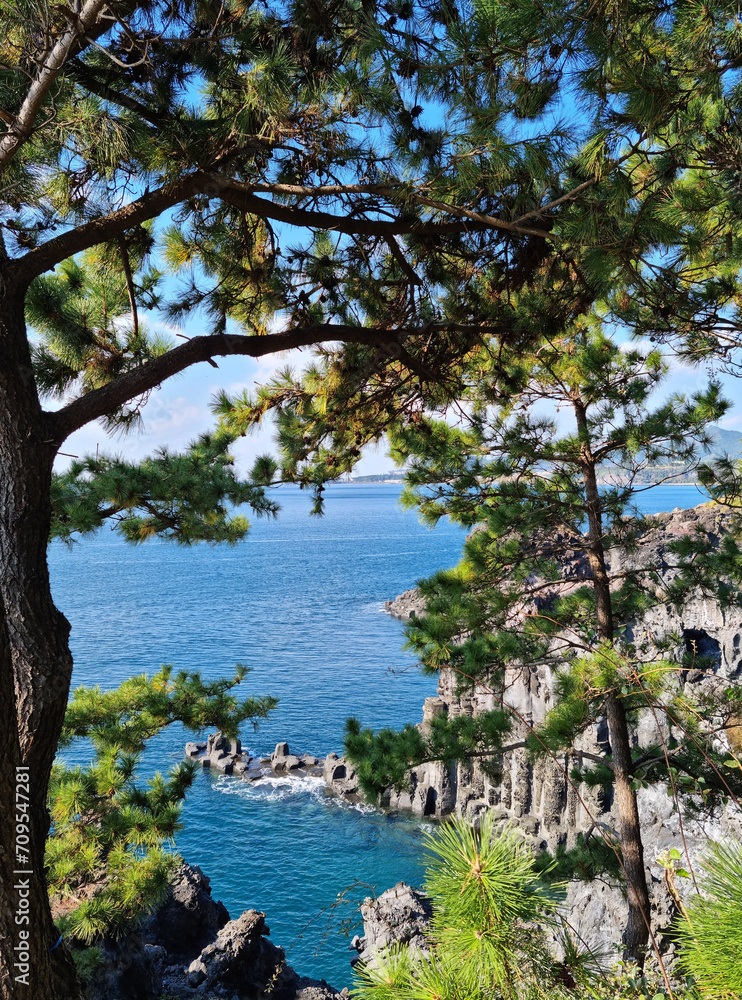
732,422
297,359
173,422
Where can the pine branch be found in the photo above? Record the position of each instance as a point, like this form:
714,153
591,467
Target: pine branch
241,196
126,263
23,124
108,227
80,71
99,402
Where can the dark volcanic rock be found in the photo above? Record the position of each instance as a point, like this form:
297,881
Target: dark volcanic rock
241,959
227,958
189,918
130,971
411,604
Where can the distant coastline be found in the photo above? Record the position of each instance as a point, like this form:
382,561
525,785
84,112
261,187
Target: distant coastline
722,443
398,480
389,477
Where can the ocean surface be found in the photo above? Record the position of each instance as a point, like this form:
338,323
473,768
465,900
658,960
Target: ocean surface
300,602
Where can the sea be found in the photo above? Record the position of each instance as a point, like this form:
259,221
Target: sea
300,602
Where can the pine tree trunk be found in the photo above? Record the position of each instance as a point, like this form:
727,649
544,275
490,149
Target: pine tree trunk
636,932
35,671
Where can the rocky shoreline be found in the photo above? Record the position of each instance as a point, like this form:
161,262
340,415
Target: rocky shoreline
226,756
189,949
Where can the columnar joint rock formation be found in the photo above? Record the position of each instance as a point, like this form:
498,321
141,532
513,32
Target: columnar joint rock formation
540,795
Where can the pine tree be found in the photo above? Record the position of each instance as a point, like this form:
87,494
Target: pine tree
107,862
529,481
485,936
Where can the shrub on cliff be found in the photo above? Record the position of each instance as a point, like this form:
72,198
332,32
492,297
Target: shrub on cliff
486,941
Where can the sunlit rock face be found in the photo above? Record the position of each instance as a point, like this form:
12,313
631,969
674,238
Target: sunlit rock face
705,640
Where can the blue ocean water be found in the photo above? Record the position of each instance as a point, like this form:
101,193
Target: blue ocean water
300,603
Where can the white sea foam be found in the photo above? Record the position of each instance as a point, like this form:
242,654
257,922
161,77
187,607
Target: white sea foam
362,807
272,788
275,788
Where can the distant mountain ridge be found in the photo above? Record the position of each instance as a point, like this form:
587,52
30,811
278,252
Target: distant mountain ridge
723,442
726,442
383,477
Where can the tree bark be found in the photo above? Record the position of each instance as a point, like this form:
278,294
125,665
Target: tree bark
636,932
35,672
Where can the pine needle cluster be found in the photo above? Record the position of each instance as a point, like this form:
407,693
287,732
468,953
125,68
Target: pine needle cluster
709,928
495,921
185,497
109,856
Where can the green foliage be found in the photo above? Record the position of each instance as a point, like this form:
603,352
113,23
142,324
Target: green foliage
187,497
484,888
484,942
709,929
462,122
86,336
107,856
383,759
87,960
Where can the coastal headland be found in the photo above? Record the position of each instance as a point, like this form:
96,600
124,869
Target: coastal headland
540,797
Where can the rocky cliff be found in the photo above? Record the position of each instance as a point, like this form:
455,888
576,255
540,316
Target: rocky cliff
189,948
539,796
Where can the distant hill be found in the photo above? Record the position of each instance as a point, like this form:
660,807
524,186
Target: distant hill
726,442
385,477
723,442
